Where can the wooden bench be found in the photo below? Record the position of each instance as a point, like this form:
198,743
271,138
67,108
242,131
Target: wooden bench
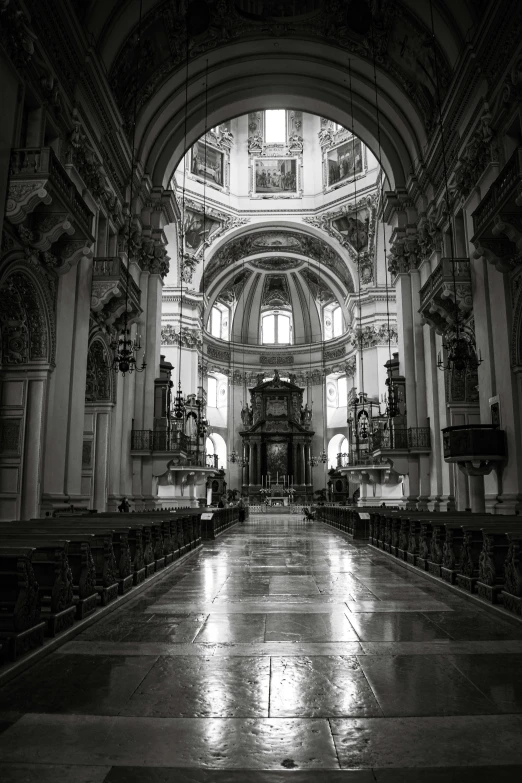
21,629
512,592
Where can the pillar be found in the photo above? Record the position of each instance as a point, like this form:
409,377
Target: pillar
30,495
101,460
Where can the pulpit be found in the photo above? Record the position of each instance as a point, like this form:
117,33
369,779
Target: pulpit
277,439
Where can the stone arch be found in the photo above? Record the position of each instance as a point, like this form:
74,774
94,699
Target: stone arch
252,66
27,324
99,384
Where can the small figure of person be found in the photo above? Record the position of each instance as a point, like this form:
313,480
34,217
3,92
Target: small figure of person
241,509
124,506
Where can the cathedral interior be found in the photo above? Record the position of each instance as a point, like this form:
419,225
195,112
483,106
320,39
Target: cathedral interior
260,391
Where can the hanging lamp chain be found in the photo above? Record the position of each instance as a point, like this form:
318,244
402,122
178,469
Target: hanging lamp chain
124,347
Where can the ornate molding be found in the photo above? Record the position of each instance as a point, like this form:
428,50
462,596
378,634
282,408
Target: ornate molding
190,338
371,336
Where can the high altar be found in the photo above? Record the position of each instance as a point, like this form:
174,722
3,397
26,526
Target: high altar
277,440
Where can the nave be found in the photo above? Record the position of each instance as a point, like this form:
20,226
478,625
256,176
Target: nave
281,650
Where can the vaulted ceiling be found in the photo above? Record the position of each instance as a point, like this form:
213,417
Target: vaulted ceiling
198,62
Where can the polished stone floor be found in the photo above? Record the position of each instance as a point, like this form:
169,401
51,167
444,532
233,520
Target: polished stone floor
281,651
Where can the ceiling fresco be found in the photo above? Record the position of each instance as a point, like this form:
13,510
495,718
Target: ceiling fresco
287,241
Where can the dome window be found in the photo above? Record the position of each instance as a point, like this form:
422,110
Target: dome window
276,328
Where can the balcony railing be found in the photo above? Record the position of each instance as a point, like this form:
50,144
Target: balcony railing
159,440
114,269
499,193
175,442
448,270
400,438
40,165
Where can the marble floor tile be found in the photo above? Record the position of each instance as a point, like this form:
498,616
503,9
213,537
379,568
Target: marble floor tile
51,773
458,741
197,687
419,605
475,626
82,684
320,686
309,628
395,627
498,774
216,743
232,628
181,775
293,585
499,677
407,685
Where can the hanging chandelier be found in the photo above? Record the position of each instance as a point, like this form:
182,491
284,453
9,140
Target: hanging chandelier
460,356
313,461
178,408
233,457
125,350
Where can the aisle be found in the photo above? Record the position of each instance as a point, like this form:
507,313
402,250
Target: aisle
280,646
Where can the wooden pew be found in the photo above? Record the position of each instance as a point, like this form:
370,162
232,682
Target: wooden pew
512,592
101,547
21,629
79,558
119,562
54,576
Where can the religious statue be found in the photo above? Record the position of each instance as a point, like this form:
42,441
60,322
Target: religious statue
306,416
247,416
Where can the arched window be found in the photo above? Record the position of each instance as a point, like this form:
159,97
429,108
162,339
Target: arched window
218,321
276,328
215,446
332,322
212,392
275,126
337,445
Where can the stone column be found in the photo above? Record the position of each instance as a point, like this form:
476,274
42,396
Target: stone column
30,495
101,459
66,395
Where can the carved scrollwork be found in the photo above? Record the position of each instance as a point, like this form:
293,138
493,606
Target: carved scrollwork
98,386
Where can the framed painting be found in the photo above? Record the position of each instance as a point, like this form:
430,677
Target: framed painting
207,163
344,162
275,176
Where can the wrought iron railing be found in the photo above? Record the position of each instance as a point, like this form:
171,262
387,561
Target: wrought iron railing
175,442
397,438
447,269
114,268
499,191
159,440
400,438
37,163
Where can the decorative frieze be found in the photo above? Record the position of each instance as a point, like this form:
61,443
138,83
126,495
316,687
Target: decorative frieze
334,353
190,338
371,336
277,360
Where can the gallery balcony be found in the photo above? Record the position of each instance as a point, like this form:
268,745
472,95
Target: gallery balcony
110,281
38,179
446,290
496,221
415,440
173,449
476,448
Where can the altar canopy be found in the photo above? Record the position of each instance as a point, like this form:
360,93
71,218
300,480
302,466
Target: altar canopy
277,438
